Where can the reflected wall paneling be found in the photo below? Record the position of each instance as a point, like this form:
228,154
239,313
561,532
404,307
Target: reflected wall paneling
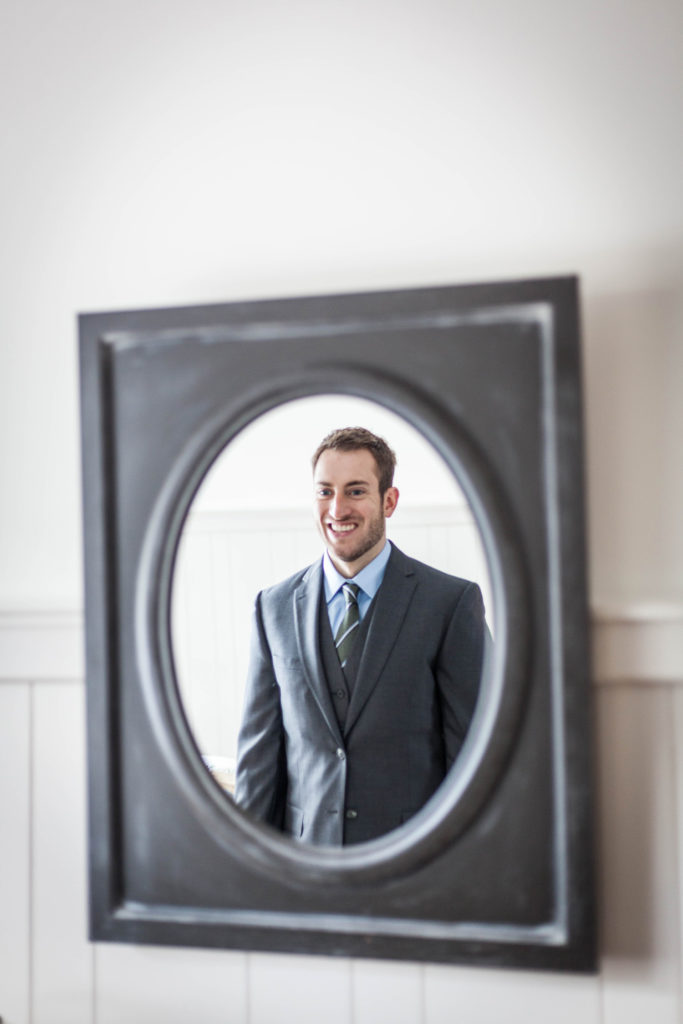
227,557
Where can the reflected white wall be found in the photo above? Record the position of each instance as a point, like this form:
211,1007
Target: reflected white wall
268,465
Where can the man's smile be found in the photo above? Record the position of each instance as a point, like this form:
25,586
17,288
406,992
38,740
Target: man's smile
341,527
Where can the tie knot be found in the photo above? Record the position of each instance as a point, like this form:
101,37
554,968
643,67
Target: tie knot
351,591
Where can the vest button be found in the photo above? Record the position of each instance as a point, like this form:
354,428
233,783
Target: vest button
340,754
340,693
351,813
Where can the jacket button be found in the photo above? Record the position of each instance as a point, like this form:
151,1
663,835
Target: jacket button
340,693
351,813
340,754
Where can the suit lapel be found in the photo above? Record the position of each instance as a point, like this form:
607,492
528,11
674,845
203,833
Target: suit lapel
392,601
306,610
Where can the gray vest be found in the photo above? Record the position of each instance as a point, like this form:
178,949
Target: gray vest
340,681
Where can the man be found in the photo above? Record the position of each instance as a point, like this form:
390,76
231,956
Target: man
358,697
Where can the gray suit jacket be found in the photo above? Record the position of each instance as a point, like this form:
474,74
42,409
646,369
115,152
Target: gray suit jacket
409,710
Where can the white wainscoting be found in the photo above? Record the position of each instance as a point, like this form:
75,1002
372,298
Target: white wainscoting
50,974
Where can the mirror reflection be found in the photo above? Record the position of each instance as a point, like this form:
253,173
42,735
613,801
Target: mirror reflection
329,665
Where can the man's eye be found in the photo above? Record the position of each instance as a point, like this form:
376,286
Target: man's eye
324,492
357,492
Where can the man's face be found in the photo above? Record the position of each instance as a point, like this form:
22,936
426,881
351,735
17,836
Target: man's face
349,510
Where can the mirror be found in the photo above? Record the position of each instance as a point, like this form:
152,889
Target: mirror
497,866
251,525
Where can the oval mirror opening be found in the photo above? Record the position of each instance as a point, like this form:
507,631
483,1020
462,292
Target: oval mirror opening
255,521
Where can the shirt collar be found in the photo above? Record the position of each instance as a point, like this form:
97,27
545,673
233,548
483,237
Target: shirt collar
368,579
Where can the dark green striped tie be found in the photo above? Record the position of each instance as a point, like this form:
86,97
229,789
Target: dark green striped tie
347,632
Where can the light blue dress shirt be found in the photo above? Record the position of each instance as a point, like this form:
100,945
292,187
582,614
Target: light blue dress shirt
368,579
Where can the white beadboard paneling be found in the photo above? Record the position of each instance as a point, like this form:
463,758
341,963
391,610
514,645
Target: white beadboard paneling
62,957
385,991
487,996
299,990
154,985
639,872
15,878
195,640
640,745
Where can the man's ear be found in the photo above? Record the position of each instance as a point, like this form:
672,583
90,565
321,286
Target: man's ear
390,501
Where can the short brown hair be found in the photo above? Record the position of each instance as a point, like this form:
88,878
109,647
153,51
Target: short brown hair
351,439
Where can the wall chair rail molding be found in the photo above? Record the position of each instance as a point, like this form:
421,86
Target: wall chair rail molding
41,644
497,867
640,643
631,643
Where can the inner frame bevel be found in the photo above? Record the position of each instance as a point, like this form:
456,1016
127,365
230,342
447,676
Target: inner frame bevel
419,840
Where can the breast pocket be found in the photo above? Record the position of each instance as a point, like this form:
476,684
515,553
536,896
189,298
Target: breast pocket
283,659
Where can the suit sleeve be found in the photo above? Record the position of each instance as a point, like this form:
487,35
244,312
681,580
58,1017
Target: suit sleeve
460,667
261,781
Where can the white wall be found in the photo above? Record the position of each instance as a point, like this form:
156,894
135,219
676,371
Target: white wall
163,153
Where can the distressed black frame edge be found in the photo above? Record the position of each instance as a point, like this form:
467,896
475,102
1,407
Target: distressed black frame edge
535,952
577,700
103,825
111,919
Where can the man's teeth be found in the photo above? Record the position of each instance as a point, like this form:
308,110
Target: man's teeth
342,529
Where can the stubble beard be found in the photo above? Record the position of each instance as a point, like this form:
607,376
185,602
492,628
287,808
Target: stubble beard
374,535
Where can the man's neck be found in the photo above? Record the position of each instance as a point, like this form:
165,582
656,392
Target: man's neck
351,569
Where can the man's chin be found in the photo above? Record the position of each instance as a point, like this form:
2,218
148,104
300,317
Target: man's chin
349,555
346,556
343,545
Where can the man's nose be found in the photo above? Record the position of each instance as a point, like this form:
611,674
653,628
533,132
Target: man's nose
339,506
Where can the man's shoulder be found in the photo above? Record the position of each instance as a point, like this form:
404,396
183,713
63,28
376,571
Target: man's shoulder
284,588
429,575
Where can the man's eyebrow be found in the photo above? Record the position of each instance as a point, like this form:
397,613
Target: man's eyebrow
349,483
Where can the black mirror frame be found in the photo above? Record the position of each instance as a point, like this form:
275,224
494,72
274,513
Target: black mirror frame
497,869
